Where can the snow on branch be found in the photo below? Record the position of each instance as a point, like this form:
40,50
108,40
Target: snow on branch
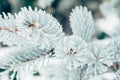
38,49
30,33
82,23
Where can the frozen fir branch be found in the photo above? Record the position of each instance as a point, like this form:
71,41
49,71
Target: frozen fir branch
115,48
100,59
38,49
82,23
8,28
39,19
21,54
29,25
73,50
30,32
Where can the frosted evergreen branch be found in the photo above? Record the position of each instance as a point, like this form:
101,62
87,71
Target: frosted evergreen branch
29,38
40,20
39,50
82,23
115,48
102,60
73,50
23,54
29,25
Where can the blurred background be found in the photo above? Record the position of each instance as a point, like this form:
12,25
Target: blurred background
106,13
